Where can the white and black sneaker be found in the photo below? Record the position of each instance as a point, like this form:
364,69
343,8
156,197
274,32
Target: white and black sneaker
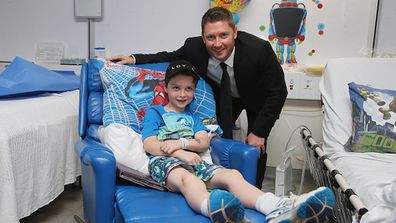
313,207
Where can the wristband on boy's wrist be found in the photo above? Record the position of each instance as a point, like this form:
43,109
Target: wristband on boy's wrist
185,143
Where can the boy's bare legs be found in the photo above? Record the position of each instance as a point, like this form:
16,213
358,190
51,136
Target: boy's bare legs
232,181
192,188
218,205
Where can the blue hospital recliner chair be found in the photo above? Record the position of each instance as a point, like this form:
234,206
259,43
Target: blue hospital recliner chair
106,201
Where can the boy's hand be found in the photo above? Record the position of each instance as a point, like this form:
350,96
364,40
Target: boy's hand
188,157
212,135
170,146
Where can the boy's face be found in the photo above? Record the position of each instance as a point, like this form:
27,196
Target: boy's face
180,91
219,38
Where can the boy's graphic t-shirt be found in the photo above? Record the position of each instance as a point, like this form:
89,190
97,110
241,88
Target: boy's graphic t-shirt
170,125
177,125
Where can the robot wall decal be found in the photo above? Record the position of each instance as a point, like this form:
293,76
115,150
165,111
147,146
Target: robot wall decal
233,5
287,26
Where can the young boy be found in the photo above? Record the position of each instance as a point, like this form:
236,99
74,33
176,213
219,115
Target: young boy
175,138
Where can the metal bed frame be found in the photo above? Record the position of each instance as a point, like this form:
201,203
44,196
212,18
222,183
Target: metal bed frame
348,205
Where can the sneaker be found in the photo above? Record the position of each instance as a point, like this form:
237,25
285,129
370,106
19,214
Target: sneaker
225,207
313,207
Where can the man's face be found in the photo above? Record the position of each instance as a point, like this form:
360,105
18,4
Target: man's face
219,39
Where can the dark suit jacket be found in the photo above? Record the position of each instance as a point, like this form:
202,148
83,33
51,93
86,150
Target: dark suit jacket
258,75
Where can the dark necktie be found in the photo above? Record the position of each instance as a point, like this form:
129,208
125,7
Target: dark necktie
225,110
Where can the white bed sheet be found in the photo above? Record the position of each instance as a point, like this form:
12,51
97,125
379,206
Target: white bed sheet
368,176
37,158
371,175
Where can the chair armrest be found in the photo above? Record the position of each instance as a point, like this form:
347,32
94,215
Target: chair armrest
236,155
98,168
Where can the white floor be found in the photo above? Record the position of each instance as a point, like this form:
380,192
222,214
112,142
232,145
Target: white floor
69,203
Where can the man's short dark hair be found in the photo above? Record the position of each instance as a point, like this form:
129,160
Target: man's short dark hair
217,14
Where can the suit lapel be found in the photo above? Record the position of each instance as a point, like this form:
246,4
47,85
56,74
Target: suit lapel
237,60
203,58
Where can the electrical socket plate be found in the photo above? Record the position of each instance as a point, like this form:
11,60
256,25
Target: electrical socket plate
301,85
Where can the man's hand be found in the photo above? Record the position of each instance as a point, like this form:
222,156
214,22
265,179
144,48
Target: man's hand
170,146
256,141
121,59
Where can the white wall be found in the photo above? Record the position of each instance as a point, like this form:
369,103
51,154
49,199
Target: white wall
24,23
148,26
346,30
386,30
151,25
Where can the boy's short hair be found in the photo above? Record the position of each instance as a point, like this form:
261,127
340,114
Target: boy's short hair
217,14
181,67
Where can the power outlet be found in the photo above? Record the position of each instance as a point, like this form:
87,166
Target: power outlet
303,86
293,84
310,87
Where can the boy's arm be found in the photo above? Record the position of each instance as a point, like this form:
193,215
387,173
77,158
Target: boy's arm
200,142
160,148
153,146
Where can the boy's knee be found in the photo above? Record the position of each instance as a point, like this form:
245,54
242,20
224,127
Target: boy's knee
232,173
189,178
180,178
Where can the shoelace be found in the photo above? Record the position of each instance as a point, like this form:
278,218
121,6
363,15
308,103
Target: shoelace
222,210
289,201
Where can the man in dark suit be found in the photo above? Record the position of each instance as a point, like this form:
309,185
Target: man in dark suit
256,79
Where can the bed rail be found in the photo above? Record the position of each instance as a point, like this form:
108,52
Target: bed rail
348,205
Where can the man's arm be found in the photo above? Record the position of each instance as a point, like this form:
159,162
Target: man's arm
122,59
140,58
185,52
276,93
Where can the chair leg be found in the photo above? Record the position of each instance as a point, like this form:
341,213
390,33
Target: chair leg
77,184
78,219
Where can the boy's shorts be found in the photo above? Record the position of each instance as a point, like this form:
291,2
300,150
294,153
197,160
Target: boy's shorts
160,167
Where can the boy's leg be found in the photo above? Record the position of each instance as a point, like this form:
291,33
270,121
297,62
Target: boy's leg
232,181
192,188
218,205
225,207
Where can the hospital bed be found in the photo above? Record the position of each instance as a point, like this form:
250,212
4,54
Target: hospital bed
38,132
364,183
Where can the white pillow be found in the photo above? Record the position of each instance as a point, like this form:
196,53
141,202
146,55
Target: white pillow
127,146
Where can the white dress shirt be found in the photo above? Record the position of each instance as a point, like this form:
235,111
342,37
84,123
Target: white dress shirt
215,72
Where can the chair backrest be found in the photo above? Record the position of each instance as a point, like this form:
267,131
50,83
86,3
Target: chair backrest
91,97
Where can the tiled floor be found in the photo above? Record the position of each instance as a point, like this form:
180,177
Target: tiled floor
61,210
69,203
